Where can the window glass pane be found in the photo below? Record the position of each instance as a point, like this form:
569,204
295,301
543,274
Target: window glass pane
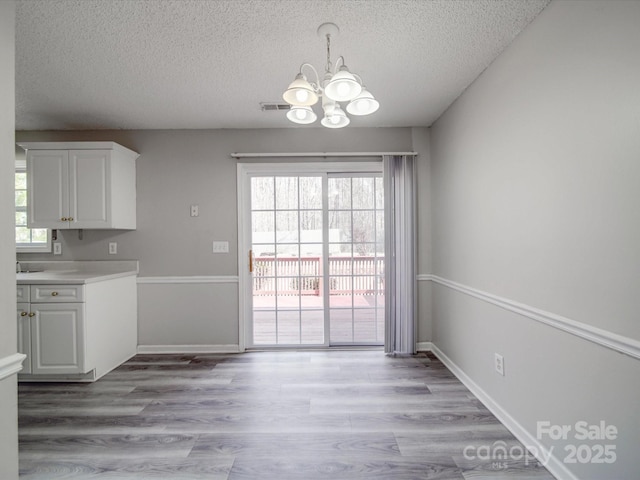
22,235
311,250
311,226
339,193
21,219
380,226
286,227
288,261
363,195
286,193
21,198
363,226
312,189
379,194
21,180
263,227
39,235
262,189
363,249
339,226
26,237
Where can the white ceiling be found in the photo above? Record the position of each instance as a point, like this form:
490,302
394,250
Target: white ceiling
194,64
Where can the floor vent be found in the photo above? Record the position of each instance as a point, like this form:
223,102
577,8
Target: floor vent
274,107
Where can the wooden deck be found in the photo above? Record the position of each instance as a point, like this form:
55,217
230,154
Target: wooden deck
291,320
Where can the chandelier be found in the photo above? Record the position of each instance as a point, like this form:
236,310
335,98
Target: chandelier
339,85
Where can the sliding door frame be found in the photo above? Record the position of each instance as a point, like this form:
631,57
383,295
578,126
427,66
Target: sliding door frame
245,172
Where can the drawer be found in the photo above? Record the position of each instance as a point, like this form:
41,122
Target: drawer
23,293
57,293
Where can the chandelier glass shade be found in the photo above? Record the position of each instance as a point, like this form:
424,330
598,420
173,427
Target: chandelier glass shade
338,85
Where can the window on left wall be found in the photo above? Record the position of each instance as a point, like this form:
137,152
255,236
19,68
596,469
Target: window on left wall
27,239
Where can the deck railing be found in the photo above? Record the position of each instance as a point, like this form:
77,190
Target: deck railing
304,275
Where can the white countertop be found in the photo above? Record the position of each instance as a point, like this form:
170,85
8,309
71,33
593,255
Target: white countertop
81,272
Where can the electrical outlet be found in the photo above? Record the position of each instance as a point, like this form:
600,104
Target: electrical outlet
113,248
194,210
57,248
499,363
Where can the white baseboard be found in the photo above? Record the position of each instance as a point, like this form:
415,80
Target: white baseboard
188,349
552,463
424,346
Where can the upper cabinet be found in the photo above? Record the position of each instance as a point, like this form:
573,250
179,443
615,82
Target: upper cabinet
75,185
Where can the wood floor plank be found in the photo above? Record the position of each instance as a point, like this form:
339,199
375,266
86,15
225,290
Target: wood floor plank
303,444
340,414
328,467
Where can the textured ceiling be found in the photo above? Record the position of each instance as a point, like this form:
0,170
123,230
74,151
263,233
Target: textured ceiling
192,64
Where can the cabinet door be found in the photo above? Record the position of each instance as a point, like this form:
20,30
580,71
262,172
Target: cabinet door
48,188
89,180
57,338
24,336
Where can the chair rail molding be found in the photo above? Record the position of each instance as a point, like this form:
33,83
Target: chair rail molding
619,343
173,279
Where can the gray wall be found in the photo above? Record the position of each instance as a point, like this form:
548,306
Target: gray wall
178,168
535,181
8,341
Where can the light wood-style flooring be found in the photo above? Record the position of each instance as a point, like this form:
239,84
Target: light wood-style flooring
285,415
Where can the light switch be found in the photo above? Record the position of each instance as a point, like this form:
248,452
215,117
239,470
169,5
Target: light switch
220,246
194,210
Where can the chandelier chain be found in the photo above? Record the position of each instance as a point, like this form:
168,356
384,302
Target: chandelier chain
328,68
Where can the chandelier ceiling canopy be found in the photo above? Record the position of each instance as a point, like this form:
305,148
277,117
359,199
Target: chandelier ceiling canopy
338,85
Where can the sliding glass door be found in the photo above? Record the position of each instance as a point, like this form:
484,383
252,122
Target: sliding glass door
356,259
316,258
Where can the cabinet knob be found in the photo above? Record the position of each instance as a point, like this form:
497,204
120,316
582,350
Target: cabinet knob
70,219
64,219
23,314
32,314
54,294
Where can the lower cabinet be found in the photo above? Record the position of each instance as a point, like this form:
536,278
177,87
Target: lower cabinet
76,332
51,335
57,338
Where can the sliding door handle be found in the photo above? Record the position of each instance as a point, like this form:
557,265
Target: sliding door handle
250,261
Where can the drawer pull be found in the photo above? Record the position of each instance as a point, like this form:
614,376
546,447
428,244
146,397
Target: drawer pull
32,314
23,314
54,294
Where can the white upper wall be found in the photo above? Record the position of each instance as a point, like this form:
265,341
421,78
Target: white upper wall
536,169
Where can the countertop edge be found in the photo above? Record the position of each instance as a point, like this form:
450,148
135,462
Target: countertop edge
74,278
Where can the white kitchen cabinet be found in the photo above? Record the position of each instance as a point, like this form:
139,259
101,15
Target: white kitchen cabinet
57,338
78,185
51,330
76,332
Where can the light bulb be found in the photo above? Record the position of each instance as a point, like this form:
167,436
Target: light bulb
302,95
343,89
335,119
301,114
